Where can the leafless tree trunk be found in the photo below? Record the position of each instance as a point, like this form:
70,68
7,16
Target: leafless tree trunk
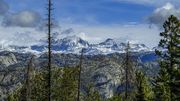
30,73
129,71
79,78
126,70
49,47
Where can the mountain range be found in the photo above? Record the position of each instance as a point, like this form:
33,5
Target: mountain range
102,64
74,44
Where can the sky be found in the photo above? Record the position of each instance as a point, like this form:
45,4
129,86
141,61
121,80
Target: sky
22,21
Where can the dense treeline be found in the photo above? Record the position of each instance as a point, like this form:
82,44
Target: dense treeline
64,87
65,82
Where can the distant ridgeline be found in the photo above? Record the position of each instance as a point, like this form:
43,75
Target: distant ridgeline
74,44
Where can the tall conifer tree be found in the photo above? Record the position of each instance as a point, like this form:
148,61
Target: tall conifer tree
169,75
143,90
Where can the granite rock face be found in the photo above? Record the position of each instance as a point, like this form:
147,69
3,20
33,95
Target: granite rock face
8,59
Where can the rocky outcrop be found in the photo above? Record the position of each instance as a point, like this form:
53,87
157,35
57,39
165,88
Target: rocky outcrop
8,59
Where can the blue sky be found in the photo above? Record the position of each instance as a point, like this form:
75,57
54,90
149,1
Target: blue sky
88,11
94,20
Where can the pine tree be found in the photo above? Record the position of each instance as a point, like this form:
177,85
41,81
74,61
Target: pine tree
162,89
144,92
129,74
65,88
170,60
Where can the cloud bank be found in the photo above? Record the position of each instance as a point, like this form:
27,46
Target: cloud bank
161,14
24,18
20,36
140,33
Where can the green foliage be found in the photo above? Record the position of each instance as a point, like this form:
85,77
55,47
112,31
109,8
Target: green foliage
92,94
115,98
162,88
144,91
168,82
38,90
39,87
64,87
18,95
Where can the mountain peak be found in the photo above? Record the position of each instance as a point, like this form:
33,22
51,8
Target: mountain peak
75,40
73,37
108,41
70,43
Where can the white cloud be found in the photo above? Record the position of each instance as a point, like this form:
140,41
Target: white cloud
93,33
24,18
98,33
161,14
20,36
89,38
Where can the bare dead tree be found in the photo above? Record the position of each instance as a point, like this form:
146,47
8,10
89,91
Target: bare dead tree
129,71
79,76
126,70
30,73
49,25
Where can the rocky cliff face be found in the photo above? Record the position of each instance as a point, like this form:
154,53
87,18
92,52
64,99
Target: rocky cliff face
105,71
8,59
11,73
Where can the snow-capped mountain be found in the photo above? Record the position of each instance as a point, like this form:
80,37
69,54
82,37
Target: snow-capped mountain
138,47
69,44
74,44
109,43
111,46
